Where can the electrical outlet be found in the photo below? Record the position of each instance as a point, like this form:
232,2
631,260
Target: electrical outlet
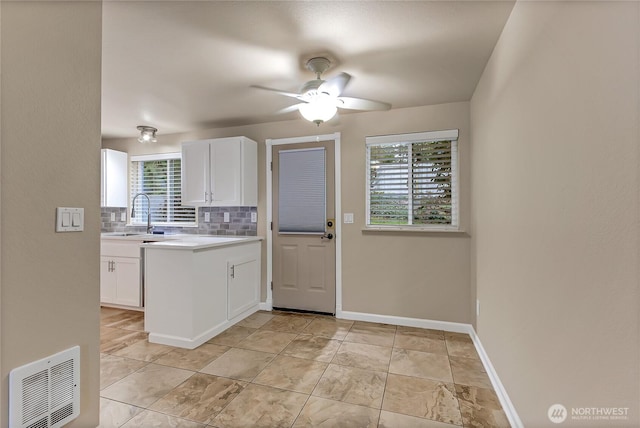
207,217
226,217
348,218
254,217
113,216
123,216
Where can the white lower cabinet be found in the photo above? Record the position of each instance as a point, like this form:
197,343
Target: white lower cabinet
120,274
120,281
191,296
242,290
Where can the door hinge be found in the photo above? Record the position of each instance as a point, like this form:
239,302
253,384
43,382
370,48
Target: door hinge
271,226
271,166
271,285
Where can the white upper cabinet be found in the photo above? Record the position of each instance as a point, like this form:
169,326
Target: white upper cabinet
220,172
195,173
113,181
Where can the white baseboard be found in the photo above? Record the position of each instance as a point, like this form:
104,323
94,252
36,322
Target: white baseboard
128,308
183,342
265,306
188,343
501,392
453,327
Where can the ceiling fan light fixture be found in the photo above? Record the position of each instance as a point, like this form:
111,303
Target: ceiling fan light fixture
147,134
319,109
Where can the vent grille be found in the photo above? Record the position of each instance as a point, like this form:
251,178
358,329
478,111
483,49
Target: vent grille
61,414
35,395
62,383
45,393
42,423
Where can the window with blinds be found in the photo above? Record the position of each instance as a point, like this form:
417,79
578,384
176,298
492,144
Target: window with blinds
412,180
302,205
158,176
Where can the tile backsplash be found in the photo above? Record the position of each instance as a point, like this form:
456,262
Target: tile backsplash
239,223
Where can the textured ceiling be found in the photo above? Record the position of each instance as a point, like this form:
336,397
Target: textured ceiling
181,65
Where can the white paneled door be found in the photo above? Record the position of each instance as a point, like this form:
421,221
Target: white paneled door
304,251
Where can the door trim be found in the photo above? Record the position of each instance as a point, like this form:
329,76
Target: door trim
335,137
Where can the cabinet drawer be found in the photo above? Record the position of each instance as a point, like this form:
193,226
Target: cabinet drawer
120,248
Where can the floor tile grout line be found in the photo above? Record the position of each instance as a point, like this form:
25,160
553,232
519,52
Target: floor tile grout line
300,331
127,404
455,391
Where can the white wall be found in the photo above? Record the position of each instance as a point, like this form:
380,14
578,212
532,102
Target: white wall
50,157
555,208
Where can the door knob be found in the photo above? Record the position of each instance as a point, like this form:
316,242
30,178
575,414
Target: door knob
327,236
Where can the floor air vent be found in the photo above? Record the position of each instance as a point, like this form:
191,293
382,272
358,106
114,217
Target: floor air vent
46,393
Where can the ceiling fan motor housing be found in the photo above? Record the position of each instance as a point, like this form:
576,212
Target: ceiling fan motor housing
318,65
310,89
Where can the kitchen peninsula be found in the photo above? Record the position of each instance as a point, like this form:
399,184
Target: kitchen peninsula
198,286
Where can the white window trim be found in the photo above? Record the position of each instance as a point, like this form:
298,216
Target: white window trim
416,137
155,157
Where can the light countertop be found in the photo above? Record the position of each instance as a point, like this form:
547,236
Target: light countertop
200,242
182,241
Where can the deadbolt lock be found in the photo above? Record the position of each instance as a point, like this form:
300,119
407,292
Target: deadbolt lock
330,223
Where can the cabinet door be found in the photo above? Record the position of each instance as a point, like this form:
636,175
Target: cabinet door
196,186
113,190
107,281
243,277
226,172
127,272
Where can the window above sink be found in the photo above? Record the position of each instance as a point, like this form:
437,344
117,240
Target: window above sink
159,176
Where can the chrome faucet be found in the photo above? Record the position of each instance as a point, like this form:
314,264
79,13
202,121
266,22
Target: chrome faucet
133,207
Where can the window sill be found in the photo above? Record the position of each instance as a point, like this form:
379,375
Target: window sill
409,230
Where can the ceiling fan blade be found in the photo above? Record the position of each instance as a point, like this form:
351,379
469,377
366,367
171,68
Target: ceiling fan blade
361,104
335,85
288,94
289,109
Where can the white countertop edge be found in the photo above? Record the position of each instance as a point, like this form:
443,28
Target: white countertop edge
200,242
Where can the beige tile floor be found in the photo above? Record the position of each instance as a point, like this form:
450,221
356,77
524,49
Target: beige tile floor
278,369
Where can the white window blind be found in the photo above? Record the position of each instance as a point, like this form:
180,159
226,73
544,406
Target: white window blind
412,180
158,176
302,191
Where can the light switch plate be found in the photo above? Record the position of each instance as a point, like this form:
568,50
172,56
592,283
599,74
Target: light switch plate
254,217
69,219
226,217
113,216
348,218
207,217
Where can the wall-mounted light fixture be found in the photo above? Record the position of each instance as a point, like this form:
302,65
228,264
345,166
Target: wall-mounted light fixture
147,134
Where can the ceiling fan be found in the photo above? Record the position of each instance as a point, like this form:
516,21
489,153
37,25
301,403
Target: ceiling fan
320,99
